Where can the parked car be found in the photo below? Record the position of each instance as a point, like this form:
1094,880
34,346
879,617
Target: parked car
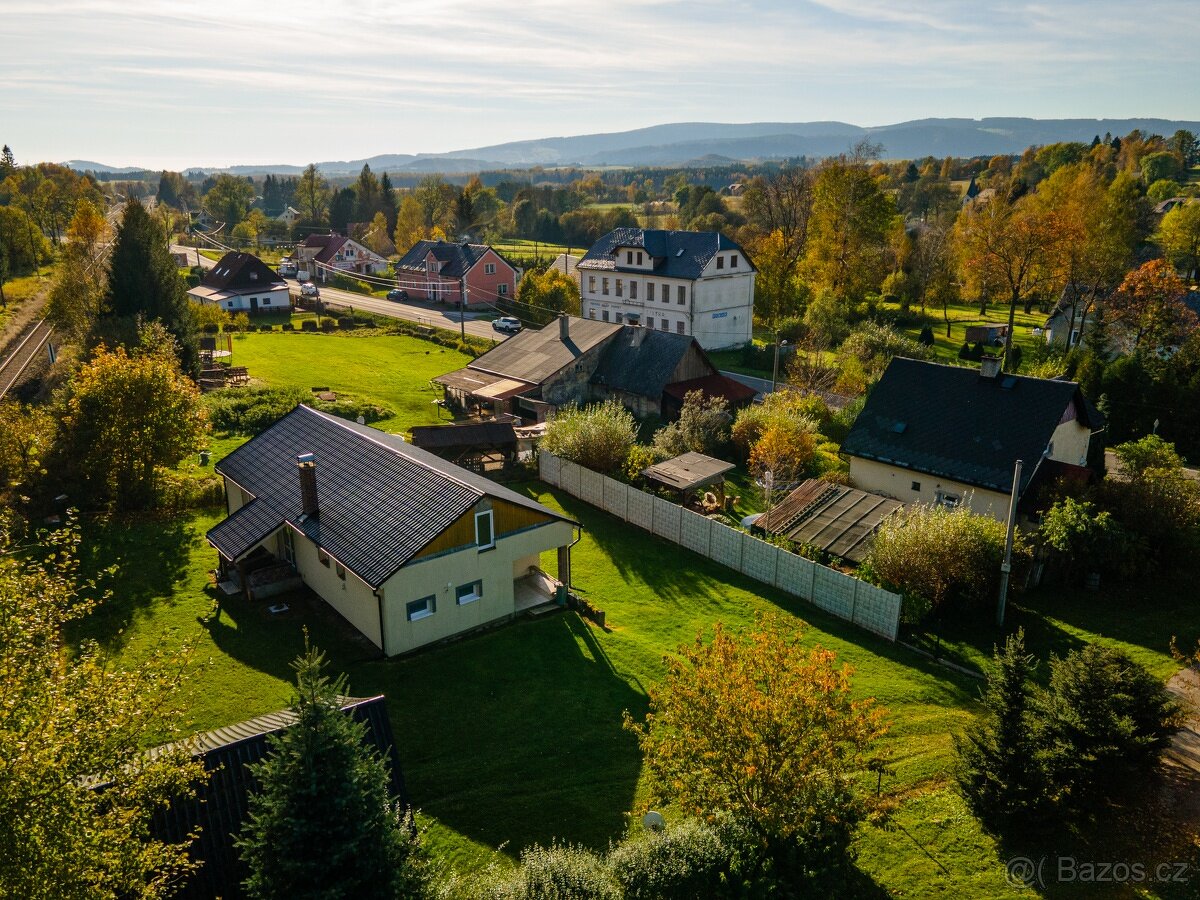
397,294
309,289
507,324
287,269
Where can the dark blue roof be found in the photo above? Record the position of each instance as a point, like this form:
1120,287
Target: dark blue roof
676,254
952,421
380,500
457,258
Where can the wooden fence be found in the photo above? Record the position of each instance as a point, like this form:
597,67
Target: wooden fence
838,594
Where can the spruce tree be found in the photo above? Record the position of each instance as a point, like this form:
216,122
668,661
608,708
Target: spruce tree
322,825
998,773
144,286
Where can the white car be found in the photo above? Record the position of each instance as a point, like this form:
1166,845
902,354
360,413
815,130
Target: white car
308,289
507,324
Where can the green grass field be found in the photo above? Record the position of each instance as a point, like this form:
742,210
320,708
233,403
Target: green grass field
964,314
514,736
392,371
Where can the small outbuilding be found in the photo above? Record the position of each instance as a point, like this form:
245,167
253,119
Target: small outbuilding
477,446
690,473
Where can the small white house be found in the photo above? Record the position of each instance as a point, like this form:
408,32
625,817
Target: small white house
241,282
697,283
289,216
321,253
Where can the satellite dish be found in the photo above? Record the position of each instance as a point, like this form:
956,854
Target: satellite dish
653,821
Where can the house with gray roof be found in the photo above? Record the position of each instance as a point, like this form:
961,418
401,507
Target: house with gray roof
695,283
241,282
409,548
948,435
580,361
449,272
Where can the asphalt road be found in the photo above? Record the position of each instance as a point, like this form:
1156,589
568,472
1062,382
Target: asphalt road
413,312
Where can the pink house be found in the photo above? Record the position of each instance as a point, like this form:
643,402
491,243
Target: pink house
438,270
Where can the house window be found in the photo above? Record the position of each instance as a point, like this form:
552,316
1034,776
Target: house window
289,546
666,293
720,262
628,257
502,289
468,593
592,313
650,291
633,290
666,325
620,287
733,261
605,314
489,268
639,257
650,322
484,536
341,571
266,301
679,327
916,485
604,286
592,284
617,318
323,557
681,295
421,609
942,498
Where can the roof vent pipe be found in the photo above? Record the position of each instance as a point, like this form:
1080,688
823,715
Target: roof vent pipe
306,469
564,327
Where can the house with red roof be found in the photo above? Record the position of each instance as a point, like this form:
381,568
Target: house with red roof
322,254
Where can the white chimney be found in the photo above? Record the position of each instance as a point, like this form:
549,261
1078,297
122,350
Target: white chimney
989,366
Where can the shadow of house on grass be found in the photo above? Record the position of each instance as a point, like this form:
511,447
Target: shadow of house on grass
151,559
510,737
514,736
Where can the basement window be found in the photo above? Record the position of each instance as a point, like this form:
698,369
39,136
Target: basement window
421,609
468,593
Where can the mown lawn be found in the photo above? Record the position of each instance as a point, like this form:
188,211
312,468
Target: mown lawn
514,736
963,314
391,371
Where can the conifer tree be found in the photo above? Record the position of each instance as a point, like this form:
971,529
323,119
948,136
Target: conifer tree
998,772
322,824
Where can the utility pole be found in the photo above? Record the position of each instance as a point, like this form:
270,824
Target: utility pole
462,310
1006,566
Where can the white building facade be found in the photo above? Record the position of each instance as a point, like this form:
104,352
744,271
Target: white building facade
699,284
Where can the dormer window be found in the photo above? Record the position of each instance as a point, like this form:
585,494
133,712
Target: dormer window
639,257
629,257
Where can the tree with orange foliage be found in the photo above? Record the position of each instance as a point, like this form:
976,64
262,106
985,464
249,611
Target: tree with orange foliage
763,729
1149,307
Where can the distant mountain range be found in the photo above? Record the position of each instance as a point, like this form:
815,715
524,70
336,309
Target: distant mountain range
710,143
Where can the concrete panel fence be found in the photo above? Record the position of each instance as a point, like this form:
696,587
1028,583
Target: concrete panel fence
841,595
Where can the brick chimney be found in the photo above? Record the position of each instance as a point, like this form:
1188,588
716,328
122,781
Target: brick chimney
306,469
989,366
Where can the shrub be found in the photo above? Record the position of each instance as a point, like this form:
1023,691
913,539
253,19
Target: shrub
328,325
346,322
558,872
964,352
641,457
249,410
308,325
1149,452
688,861
875,345
702,427
808,412
925,338
826,319
597,437
211,328
792,329
942,558
1013,363
1089,540
266,326
179,492
287,326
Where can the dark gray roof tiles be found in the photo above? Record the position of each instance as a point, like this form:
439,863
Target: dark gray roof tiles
641,361
457,258
535,355
242,272
380,500
676,254
953,422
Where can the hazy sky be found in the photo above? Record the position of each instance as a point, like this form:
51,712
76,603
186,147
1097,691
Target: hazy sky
171,84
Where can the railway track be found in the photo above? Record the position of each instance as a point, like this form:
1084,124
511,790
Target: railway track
13,366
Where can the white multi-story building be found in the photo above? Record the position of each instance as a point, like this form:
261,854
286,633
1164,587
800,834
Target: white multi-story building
698,283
